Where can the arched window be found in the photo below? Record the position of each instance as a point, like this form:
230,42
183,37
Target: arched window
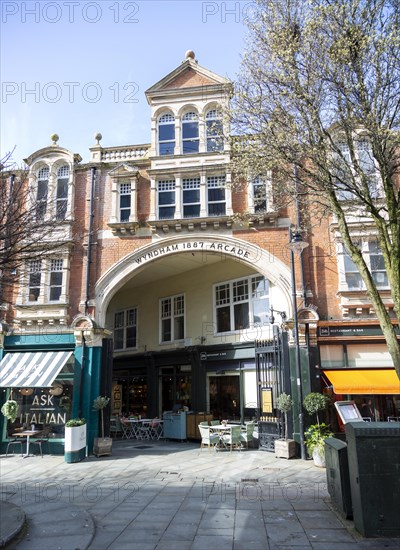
166,134
214,131
42,191
62,192
190,133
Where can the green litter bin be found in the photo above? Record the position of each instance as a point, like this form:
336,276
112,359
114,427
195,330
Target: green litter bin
374,466
337,476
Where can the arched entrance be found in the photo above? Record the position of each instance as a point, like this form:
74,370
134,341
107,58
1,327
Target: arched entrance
195,307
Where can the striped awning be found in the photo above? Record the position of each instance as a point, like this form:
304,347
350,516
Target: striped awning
31,369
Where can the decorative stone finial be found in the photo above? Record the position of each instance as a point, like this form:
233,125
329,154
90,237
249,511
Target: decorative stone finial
190,55
54,138
98,137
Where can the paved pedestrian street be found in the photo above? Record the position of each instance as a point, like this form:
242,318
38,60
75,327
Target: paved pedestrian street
163,495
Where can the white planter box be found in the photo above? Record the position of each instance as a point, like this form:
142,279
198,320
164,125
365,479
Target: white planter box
75,443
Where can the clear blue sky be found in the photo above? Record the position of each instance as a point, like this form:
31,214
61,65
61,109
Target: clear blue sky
77,68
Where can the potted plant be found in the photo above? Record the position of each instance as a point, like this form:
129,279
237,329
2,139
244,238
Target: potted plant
285,447
102,445
10,410
316,434
75,440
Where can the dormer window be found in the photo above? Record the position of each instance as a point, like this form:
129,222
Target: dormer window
166,134
190,133
42,191
214,131
62,192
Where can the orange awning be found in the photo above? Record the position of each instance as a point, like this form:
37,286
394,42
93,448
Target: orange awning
364,381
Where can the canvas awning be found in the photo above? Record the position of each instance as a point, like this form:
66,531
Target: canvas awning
364,381
32,369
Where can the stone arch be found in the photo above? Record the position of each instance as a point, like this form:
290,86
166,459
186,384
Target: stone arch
121,272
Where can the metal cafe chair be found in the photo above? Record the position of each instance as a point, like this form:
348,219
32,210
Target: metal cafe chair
12,441
39,441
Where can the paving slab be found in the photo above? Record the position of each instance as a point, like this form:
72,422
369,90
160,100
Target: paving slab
166,495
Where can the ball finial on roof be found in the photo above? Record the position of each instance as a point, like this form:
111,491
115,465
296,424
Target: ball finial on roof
54,138
190,55
98,137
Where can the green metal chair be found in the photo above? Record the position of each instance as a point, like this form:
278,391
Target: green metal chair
232,438
246,434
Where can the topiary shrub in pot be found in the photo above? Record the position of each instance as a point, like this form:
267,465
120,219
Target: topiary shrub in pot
102,445
285,447
316,434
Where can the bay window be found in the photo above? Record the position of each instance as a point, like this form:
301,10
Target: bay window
56,279
34,280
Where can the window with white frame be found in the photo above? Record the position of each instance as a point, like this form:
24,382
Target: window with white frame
172,314
166,199
166,134
124,201
260,195
125,329
373,258
56,280
241,304
62,192
347,179
214,131
34,280
42,191
190,133
216,195
377,264
191,197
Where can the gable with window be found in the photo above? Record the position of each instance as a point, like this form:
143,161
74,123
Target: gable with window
172,318
125,329
241,304
166,134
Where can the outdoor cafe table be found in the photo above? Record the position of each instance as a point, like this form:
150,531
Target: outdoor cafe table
136,424
27,434
221,430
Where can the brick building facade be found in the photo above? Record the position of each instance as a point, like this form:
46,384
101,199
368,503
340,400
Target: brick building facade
168,273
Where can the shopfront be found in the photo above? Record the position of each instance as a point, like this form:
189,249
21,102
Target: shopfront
355,365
